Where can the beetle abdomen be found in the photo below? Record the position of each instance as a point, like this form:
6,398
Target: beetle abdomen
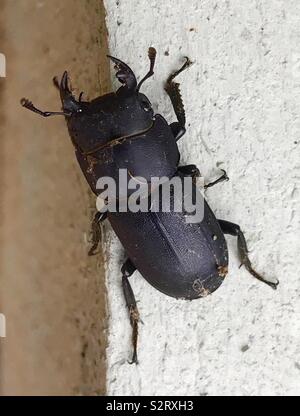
180,259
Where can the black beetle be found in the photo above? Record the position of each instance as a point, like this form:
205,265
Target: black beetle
120,131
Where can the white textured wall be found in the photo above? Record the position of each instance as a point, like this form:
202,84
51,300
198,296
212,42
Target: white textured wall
242,99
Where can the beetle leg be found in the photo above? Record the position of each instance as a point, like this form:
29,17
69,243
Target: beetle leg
96,231
235,230
127,270
189,170
222,178
177,130
173,91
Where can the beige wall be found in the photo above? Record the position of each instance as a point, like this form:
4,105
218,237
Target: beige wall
52,294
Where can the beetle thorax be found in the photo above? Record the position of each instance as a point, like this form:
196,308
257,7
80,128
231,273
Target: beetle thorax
109,118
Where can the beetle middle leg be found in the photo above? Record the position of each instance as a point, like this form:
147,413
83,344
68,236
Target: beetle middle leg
127,270
173,91
222,178
96,231
193,171
235,230
190,170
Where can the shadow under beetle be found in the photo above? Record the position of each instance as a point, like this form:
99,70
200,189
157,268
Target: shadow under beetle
120,131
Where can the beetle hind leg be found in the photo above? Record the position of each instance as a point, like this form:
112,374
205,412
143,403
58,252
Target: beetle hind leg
127,270
235,230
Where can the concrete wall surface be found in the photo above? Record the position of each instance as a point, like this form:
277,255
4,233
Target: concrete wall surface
242,99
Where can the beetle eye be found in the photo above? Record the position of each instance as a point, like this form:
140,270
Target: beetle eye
146,106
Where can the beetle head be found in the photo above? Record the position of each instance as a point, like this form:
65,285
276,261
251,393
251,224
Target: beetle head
111,116
108,117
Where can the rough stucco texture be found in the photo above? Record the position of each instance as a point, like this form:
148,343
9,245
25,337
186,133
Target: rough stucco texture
242,99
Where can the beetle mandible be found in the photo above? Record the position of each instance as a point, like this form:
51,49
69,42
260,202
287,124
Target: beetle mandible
119,130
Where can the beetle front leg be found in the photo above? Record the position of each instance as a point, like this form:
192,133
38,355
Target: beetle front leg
96,231
127,270
173,91
235,230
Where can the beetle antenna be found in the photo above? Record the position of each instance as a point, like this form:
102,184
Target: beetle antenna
152,56
28,104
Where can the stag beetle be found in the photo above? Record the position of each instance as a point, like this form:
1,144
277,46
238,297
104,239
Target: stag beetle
120,130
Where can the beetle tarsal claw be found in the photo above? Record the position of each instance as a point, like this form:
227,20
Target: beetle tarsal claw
245,261
134,359
222,178
250,269
225,176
